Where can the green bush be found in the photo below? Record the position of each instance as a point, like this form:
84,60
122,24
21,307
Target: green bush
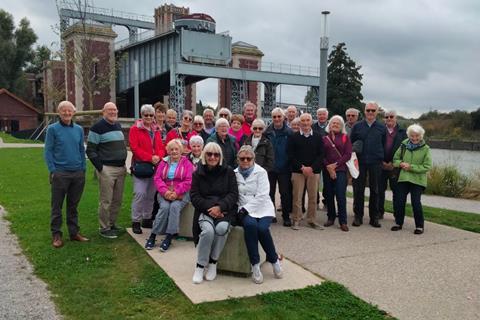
446,180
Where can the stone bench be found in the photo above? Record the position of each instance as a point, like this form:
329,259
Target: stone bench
186,222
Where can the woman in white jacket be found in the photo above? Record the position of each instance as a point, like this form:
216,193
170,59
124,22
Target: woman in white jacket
256,211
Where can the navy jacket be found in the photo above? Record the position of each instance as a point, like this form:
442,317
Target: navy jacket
279,139
373,139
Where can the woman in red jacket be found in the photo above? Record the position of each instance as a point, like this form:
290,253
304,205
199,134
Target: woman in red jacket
147,148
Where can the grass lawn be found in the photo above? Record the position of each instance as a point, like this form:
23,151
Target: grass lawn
8,138
116,279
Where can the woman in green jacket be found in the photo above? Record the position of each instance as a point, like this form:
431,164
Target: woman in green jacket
413,159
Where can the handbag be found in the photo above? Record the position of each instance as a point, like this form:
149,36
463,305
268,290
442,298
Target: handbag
352,163
143,169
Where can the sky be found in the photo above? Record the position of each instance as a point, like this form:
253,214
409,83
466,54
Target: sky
415,56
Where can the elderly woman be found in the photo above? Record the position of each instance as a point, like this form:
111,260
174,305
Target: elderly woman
263,148
295,124
173,180
236,130
225,113
214,196
256,211
196,145
199,127
338,150
225,141
414,160
184,132
147,148
161,125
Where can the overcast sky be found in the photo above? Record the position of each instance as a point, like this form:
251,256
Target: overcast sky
415,55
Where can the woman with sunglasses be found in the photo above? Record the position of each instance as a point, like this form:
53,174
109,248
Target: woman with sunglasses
214,196
199,127
263,148
256,211
224,113
184,132
146,146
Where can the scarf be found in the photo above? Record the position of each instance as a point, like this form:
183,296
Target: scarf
411,146
246,172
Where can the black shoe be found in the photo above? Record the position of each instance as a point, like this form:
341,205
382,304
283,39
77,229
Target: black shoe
396,228
117,229
274,220
110,234
150,244
375,224
136,228
357,222
147,223
287,223
166,244
418,231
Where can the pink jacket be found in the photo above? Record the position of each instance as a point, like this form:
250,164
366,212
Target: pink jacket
182,180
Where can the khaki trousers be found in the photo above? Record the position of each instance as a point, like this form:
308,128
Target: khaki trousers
298,182
110,181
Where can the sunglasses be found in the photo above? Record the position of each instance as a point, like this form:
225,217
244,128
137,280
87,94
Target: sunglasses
223,115
276,117
257,128
187,119
213,154
370,110
389,117
351,115
198,124
148,115
245,159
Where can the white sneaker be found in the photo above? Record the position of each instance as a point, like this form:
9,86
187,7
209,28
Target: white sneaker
211,272
257,275
198,275
277,270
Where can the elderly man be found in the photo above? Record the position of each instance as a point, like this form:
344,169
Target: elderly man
370,135
65,157
291,115
107,151
208,121
351,116
278,133
305,153
322,122
249,113
395,136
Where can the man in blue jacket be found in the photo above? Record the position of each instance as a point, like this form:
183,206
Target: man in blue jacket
371,135
65,157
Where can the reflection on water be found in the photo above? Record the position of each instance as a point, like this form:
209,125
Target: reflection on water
466,161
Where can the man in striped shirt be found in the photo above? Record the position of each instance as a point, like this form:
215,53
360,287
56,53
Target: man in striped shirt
107,151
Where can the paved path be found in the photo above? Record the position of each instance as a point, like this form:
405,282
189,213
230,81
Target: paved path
20,145
22,294
432,276
457,204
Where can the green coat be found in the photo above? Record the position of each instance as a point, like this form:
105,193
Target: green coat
420,161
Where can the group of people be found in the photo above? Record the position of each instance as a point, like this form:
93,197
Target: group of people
229,169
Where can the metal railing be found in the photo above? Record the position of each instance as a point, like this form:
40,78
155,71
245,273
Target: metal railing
141,36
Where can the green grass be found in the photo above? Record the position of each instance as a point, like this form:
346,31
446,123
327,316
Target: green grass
457,219
106,279
8,138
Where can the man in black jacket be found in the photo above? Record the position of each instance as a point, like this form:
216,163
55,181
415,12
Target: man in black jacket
394,137
305,153
372,135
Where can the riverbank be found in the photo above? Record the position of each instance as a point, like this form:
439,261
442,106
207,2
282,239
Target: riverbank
464,145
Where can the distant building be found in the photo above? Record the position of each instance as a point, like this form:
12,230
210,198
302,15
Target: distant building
16,114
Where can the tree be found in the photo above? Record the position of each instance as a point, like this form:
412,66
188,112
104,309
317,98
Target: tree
16,52
40,55
344,82
475,119
311,100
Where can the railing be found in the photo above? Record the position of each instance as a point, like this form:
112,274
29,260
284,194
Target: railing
141,36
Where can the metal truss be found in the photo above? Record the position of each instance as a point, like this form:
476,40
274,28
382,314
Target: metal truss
177,94
269,98
313,105
239,95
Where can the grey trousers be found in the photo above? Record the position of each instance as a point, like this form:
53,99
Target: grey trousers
67,185
142,202
167,219
110,182
212,239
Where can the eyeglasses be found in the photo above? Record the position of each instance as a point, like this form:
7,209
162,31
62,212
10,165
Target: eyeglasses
370,110
351,115
257,128
213,154
389,117
223,115
245,159
187,119
276,117
148,115
198,124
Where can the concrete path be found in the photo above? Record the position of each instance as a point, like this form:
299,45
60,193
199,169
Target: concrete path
22,294
456,204
20,145
432,276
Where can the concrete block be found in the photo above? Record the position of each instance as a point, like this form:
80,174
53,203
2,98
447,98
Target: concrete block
186,221
234,257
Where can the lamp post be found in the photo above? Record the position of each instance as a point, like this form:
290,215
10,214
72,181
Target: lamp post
322,90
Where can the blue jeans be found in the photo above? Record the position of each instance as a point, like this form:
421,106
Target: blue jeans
258,230
403,188
336,189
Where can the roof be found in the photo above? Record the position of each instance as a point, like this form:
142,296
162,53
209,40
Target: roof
27,105
243,44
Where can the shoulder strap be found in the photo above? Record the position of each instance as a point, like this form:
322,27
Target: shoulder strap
333,145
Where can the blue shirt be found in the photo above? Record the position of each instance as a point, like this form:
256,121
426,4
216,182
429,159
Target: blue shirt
64,147
171,170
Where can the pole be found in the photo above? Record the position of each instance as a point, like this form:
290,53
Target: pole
136,91
322,90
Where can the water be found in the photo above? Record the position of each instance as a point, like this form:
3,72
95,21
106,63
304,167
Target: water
466,161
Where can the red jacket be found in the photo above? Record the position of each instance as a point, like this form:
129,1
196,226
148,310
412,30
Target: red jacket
141,144
175,134
247,128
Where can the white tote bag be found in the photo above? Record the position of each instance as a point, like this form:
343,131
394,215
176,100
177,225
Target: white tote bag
352,166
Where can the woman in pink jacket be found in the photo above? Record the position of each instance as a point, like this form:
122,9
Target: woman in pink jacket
173,180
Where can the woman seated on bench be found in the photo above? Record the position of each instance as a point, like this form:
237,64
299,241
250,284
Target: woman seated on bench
214,196
173,180
256,211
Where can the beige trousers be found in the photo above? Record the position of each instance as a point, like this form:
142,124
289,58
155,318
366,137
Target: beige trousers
298,182
110,181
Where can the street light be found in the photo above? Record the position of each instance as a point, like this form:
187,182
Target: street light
322,90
